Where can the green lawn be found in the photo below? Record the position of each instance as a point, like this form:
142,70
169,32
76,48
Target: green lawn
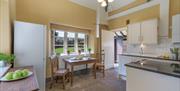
71,49
61,50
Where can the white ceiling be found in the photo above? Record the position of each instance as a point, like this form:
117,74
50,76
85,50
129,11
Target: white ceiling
93,3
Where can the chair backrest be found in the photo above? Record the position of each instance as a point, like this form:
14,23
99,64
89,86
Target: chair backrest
54,64
102,56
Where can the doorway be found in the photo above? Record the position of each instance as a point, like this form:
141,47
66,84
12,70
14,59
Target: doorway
118,47
119,38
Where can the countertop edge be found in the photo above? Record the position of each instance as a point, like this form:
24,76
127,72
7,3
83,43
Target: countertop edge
152,71
150,57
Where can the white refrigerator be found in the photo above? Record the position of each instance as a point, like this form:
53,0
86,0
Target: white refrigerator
108,47
30,48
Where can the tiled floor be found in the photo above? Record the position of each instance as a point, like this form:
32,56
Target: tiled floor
86,82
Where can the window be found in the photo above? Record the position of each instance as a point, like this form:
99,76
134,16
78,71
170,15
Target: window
81,42
59,42
69,41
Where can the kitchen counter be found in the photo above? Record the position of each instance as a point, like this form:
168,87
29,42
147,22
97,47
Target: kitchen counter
26,84
151,75
151,56
157,67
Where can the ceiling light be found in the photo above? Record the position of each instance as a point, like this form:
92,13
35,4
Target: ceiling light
110,1
100,1
103,4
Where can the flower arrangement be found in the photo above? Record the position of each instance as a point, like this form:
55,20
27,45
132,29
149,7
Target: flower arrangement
6,58
89,49
68,52
175,51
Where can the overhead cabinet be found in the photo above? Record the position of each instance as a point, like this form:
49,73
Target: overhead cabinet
134,33
176,29
149,31
143,32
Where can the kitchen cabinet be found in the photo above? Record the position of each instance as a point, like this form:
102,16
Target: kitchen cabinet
150,81
143,32
176,29
134,31
149,31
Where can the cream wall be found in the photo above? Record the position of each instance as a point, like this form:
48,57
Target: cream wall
5,29
59,12
12,10
148,13
56,11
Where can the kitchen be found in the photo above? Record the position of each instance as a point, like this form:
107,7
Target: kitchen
146,32
147,52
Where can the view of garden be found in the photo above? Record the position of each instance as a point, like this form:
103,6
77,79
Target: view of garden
70,41
61,50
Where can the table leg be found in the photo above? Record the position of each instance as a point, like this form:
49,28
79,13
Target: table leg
94,67
65,65
86,67
72,72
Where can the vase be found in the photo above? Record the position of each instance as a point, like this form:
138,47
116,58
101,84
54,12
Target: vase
175,56
2,63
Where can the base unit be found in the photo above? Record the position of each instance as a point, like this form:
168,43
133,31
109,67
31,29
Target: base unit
141,80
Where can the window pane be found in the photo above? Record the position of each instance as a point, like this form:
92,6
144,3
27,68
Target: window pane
59,42
71,41
81,41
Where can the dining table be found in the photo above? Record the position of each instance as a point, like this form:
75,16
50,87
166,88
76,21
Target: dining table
27,84
75,62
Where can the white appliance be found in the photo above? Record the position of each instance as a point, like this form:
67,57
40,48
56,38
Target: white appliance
30,48
176,29
108,47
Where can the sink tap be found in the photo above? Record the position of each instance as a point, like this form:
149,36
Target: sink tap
142,47
142,52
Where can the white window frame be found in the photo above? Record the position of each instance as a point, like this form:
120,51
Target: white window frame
65,46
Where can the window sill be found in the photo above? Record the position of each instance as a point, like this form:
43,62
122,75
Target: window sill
75,54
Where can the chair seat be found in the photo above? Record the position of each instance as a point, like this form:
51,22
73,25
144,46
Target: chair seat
61,72
99,65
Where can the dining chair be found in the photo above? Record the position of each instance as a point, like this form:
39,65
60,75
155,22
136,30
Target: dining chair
57,73
100,65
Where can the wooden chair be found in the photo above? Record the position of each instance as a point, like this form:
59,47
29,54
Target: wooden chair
100,65
64,74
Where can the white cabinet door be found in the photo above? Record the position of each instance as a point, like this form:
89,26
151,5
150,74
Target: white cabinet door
134,33
176,29
108,47
30,48
141,80
149,31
